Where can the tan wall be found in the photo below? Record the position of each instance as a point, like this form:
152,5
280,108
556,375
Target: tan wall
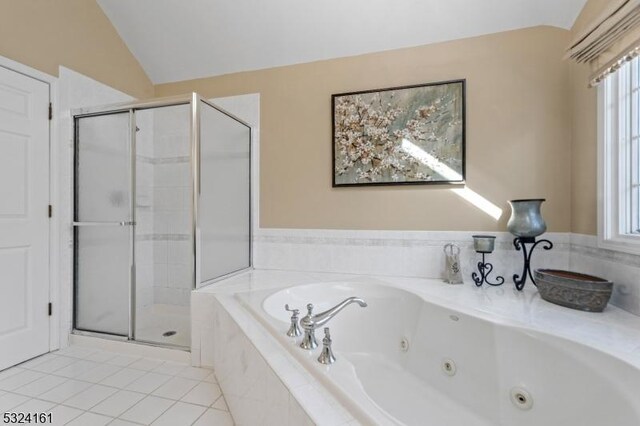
75,33
518,137
584,176
584,209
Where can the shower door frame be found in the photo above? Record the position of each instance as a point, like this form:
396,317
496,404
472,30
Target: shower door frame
195,132
193,100
131,224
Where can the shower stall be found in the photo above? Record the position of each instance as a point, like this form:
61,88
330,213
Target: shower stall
162,205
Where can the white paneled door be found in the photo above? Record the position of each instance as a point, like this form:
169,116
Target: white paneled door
24,221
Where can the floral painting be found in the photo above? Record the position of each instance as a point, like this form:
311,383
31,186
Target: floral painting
405,135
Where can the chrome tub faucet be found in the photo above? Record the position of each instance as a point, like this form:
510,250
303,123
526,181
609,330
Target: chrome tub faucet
294,330
310,322
326,356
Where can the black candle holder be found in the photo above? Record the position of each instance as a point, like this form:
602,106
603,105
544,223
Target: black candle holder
485,269
520,243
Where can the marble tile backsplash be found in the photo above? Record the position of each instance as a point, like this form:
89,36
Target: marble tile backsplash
621,268
420,254
392,253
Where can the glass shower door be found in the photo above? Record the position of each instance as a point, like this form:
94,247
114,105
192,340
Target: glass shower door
225,192
103,224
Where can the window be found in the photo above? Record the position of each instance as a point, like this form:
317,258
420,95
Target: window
619,159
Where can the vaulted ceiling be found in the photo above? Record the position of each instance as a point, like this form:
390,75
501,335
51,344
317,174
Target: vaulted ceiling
185,39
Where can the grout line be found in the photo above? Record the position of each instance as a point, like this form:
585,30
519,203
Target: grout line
216,400
203,413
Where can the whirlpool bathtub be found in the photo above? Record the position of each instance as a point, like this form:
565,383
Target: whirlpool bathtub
417,359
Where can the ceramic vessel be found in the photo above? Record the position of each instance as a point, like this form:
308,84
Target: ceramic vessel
526,220
574,290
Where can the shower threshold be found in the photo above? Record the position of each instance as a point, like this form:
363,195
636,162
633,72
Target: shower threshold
153,323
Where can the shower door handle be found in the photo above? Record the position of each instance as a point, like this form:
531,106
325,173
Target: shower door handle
129,223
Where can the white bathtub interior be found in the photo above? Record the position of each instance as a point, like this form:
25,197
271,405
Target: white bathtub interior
566,381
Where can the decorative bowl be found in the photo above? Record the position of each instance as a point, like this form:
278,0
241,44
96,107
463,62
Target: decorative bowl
574,290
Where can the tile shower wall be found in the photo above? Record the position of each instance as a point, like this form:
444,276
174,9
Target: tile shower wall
144,211
171,193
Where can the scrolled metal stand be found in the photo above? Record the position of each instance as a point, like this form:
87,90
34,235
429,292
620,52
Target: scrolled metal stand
485,269
520,243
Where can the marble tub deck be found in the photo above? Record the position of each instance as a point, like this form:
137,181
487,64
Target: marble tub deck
613,331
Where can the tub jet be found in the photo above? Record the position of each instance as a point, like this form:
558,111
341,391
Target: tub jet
404,344
449,367
521,398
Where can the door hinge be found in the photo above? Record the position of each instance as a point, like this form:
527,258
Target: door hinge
50,210
50,308
50,111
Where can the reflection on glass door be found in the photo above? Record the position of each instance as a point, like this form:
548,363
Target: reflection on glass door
103,224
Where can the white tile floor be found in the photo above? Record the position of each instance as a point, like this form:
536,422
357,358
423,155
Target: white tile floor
83,386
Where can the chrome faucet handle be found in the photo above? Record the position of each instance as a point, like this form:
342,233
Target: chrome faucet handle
295,311
326,356
294,328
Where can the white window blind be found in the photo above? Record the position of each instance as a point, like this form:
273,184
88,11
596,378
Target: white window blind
615,23
610,40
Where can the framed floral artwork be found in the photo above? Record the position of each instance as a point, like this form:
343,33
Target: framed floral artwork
400,135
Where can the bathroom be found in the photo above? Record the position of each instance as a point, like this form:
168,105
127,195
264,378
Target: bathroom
276,213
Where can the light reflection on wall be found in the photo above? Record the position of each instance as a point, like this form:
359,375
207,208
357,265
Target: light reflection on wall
448,173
